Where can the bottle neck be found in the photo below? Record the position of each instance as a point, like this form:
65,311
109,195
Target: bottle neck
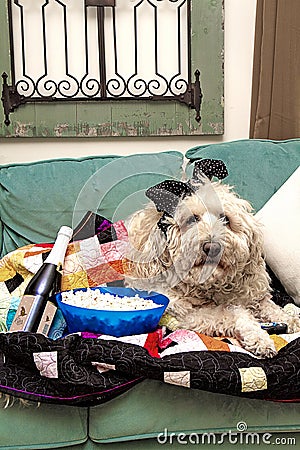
57,253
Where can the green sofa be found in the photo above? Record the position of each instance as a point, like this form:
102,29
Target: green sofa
36,198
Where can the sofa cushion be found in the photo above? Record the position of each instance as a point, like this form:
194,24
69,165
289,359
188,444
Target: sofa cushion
280,217
37,198
42,427
257,168
151,407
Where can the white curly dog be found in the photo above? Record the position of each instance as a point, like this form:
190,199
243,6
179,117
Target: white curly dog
199,243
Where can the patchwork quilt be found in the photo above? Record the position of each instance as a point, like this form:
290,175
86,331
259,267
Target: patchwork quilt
87,369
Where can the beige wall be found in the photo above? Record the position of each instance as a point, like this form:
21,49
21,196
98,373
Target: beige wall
239,38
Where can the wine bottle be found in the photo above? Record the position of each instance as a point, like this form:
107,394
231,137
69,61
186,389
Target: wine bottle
34,300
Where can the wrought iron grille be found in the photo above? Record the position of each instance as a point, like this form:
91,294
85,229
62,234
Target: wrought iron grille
100,50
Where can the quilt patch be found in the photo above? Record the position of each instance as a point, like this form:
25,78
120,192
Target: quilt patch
180,378
253,379
46,363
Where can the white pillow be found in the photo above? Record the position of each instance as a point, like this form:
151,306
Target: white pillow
280,217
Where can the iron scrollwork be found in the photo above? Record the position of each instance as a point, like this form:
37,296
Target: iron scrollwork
98,82
10,98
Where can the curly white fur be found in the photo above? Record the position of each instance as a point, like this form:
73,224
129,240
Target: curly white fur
224,291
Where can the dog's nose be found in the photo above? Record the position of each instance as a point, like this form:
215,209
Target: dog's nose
212,248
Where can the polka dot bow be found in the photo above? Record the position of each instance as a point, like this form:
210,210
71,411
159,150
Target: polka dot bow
210,168
167,194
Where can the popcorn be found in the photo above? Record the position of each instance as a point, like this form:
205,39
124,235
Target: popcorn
94,299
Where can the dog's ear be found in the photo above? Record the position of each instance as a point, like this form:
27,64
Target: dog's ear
147,256
167,194
209,168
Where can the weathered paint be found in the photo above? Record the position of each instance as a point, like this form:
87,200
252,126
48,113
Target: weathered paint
132,118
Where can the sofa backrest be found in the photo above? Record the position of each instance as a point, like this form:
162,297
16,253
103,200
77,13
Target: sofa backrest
37,198
257,168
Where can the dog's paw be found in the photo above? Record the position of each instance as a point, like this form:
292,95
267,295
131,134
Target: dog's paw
181,310
253,338
291,318
293,324
260,345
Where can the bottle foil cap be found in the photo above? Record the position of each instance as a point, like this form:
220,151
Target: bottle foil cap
66,231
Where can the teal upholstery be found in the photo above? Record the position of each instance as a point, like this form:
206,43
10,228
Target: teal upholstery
36,198
257,168
151,412
151,407
42,427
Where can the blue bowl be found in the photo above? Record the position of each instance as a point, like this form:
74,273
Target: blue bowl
114,323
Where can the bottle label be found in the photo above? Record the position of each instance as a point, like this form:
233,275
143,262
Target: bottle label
20,319
47,318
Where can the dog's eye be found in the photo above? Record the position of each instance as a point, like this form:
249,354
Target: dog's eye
224,219
192,219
